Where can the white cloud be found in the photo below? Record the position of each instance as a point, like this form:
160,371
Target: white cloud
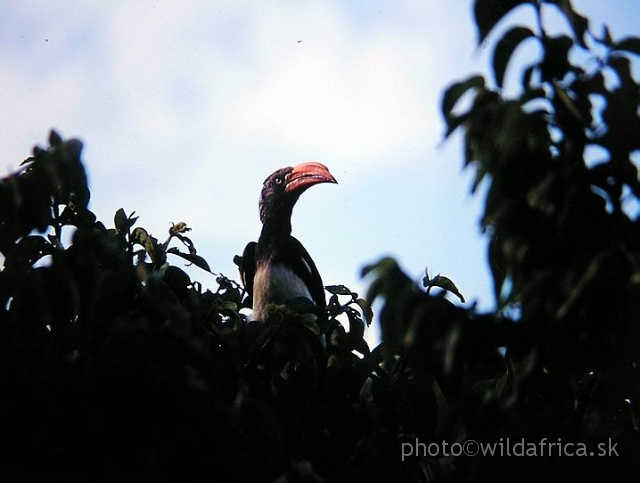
318,83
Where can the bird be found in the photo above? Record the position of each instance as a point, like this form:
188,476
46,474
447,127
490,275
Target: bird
277,267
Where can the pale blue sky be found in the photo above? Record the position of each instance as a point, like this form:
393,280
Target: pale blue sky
185,107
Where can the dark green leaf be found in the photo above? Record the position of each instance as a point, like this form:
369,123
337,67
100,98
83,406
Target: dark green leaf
122,222
531,94
497,264
356,326
454,122
334,304
386,264
505,48
28,251
527,74
187,242
140,236
453,94
595,84
197,260
39,153
569,105
629,44
176,278
367,311
361,346
73,149
27,160
77,217
622,68
232,294
446,284
579,24
338,290
489,12
54,138
606,37
555,64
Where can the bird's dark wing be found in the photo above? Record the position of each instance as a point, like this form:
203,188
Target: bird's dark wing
247,267
303,266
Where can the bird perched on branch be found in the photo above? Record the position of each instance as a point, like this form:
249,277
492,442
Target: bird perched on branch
278,268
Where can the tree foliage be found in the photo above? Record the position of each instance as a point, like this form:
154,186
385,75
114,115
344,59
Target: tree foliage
117,366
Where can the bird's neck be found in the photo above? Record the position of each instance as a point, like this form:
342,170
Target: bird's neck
275,230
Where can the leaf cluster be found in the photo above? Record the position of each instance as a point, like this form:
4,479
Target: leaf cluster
558,163
116,365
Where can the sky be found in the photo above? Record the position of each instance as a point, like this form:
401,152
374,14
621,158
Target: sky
184,108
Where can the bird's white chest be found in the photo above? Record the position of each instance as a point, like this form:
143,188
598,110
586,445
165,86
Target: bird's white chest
276,284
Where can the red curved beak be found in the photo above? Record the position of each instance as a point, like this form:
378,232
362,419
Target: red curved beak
307,174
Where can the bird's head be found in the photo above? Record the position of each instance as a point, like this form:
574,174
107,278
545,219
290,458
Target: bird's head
282,189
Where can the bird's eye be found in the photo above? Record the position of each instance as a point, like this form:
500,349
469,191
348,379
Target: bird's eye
279,180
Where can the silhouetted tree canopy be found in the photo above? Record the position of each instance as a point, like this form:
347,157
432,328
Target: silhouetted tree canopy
116,366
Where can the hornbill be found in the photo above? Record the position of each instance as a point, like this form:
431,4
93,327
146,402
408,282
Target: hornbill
278,268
